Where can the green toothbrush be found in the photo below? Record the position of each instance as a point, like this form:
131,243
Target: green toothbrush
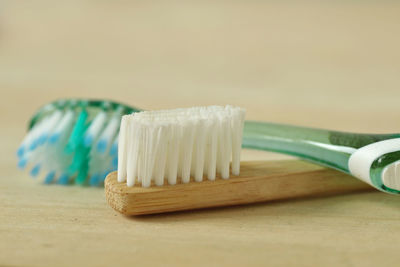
75,141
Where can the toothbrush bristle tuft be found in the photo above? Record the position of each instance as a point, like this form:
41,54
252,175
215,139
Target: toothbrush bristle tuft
155,146
35,170
102,146
54,138
22,163
20,151
64,179
49,177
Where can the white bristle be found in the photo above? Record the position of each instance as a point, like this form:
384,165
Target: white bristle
180,143
123,148
95,128
64,123
108,133
237,134
173,155
33,135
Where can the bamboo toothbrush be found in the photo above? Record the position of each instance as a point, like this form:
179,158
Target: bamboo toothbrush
159,152
259,181
75,141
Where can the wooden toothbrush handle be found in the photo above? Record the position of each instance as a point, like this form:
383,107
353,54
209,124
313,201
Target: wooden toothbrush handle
259,181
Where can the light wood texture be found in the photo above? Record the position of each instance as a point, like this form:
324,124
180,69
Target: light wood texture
259,181
327,64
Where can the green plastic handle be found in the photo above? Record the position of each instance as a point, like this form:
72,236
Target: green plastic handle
329,148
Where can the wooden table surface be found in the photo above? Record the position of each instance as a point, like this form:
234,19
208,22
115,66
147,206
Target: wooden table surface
328,64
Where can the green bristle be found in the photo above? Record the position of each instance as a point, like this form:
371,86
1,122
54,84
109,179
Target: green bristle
77,133
83,173
80,157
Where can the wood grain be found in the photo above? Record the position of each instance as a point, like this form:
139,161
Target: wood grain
259,181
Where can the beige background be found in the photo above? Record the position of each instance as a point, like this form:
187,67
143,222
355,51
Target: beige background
330,64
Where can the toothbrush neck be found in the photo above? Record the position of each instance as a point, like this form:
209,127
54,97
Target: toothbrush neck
324,147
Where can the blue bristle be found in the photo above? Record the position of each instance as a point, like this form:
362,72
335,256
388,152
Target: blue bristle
64,179
94,179
20,151
104,175
115,162
54,138
114,149
88,140
33,145
22,163
102,146
42,139
35,170
49,177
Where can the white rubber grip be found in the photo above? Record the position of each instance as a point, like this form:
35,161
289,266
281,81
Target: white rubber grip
361,160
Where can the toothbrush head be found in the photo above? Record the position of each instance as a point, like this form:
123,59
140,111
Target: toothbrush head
180,143
73,141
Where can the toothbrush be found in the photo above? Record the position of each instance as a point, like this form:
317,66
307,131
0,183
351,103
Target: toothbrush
373,158
160,151
259,181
